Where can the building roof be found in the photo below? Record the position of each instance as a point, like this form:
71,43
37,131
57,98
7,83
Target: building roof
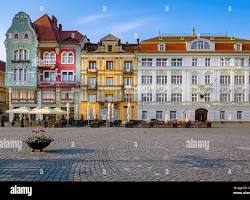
178,44
2,66
48,31
93,47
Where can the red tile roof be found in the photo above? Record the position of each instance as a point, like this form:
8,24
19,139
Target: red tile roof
177,44
2,66
48,31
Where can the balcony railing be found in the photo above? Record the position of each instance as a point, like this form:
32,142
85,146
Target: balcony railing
64,101
93,87
48,101
23,101
20,61
46,84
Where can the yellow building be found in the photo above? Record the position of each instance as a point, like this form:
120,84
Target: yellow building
3,92
109,79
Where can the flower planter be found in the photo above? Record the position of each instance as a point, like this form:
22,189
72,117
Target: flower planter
38,145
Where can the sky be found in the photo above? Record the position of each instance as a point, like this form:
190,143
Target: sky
132,19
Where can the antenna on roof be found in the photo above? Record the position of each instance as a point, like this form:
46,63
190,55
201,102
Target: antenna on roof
160,37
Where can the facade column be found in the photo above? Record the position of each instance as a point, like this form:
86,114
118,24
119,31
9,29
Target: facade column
232,85
246,85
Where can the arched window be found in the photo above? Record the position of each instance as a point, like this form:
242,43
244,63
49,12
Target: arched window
161,47
26,36
64,58
16,36
21,55
200,45
70,58
46,58
52,58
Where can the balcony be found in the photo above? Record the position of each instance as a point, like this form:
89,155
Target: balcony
48,101
92,70
59,84
92,87
128,71
24,101
65,101
47,64
20,61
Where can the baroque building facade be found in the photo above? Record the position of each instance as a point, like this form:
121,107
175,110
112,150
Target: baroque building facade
108,75
3,91
195,77
43,64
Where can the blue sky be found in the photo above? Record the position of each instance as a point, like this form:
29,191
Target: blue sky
129,19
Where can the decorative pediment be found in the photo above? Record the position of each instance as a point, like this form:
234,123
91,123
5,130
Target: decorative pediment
110,38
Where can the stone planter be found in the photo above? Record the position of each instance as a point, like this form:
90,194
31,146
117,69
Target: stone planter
38,145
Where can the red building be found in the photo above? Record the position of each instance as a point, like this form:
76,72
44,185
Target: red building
58,55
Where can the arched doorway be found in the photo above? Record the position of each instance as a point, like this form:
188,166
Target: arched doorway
201,114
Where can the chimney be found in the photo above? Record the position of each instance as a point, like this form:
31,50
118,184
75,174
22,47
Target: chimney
138,40
60,27
54,20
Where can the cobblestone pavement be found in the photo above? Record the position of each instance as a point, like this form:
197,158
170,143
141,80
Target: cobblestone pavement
122,154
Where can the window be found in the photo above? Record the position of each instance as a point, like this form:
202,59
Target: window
194,79
176,62
109,97
158,115
238,47
46,58
225,62
127,65
2,97
161,47
109,48
16,36
49,77
176,79
66,95
200,45
109,65
67,76
92,65
194,62
21,55
224,98
92,83
239,80
26,36
64,58
172,115
92,98
67,58
161,62
222,115
146,97
50,94
207,62
239,115
161,80
127,81
109,81
239,97
224,79
207,80
207,97
145,79
53,58
147,62
144,115
127,97
161,97
194,97
176,97
249,62
239,62
20,74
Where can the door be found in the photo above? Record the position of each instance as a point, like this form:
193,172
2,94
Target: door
201,114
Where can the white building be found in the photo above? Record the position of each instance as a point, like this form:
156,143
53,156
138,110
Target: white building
204,78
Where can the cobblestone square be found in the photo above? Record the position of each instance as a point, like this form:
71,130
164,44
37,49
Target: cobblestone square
123,154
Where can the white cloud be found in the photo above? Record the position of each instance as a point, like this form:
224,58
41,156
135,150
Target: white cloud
91,18
104,8
127,26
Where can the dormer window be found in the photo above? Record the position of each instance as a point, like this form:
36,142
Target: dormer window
26,36
161,47
16,36
238,47
109,48
200,45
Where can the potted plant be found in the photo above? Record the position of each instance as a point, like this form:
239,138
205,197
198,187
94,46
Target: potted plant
39,140
95,124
